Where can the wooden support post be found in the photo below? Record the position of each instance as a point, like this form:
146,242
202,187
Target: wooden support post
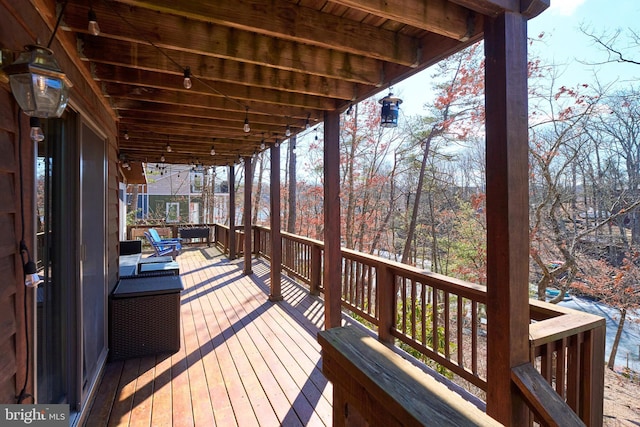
507,213
332,253
276,237
316,270
248,178
387,291
232,212
592,390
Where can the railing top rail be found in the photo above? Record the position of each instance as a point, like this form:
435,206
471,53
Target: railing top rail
541,310
302,239
556,328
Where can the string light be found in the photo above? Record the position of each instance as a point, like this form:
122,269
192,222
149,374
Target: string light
187,78
31,277
169,149
246,127
126,135
307,123
162,159
213,151
36,130
287,131
94,28
350,109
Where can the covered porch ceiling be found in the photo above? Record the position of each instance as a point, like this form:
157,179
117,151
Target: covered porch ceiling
276,63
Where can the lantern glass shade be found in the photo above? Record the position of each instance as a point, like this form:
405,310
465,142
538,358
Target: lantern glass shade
38,85
390,109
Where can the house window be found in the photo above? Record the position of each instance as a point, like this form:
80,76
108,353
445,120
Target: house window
173,212
197,179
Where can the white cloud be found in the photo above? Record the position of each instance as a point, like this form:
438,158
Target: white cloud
565,7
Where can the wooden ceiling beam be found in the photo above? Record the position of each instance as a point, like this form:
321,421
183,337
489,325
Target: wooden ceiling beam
187,145
145,127
152,157
278,19
187,98
137,55
436,16
241,93
216,124
230,44
237,73
529,8
224,106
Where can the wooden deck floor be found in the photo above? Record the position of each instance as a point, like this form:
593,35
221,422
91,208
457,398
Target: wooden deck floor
243,360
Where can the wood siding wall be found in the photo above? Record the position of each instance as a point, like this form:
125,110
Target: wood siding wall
22,23
113,214
12,290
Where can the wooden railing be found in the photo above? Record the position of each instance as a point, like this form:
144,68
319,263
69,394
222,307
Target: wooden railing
442,320
164,230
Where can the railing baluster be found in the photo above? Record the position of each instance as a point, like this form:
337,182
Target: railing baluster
370,306
385,286
459,335
573,377
434,320
446,325
474,337
423,310
413,309
403,301
561,355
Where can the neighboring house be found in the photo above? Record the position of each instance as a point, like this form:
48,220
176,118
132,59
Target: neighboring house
181,194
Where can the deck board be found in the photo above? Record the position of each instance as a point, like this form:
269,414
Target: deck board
243,360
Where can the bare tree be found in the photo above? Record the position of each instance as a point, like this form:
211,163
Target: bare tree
458,103
617,50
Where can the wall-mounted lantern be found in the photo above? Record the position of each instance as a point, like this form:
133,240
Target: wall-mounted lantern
390,108
38,84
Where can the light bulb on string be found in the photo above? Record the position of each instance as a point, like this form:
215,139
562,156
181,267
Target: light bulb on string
187,78
126,135
162,159
31,277
213,151
169,149
307,123
246,128
287,131
36,130
94,28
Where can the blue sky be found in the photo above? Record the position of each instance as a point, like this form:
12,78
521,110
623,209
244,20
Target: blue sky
565,45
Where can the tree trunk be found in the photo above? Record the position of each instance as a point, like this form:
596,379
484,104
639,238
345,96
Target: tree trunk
384,224
350,148
291,219
616,341
258,195
416,204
